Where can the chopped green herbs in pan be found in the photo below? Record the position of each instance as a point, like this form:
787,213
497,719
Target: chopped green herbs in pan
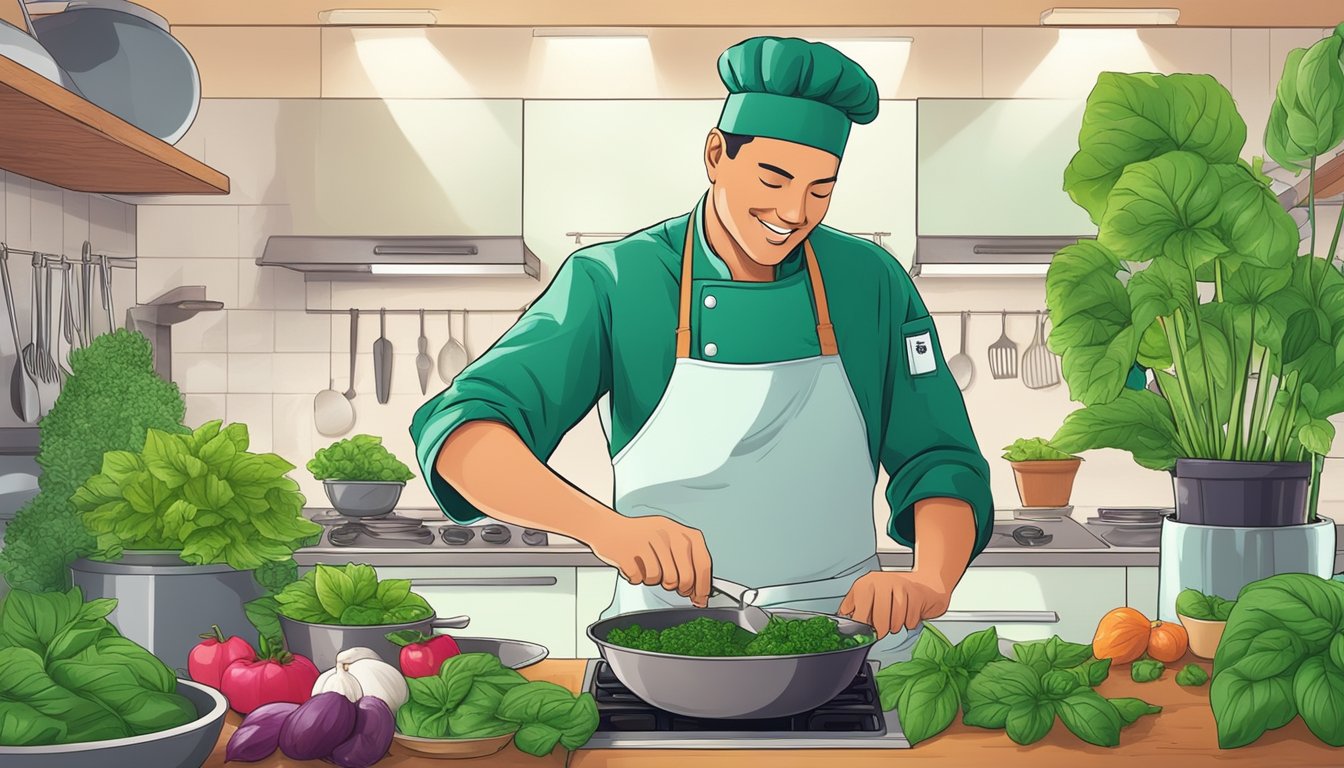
710,637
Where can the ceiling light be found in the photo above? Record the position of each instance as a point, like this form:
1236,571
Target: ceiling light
1109,17
449,270
379,17
602,33
869,39
980,270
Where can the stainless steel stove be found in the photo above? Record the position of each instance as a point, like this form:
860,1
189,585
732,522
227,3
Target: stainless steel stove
852,720
397,531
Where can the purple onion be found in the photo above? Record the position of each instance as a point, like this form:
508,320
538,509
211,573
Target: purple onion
372,738
318,726
259,734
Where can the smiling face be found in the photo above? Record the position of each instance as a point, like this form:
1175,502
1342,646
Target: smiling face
771,194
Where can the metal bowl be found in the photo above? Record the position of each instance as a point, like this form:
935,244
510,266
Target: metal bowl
737,687
363,498
186,746
320,643
22,48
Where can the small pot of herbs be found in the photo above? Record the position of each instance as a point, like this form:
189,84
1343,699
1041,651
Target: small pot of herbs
361,477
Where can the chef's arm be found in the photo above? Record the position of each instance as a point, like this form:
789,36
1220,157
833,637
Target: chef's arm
944,539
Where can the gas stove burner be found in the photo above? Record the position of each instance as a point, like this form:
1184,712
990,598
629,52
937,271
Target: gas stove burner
1031,536
382,531
534,538
495,534
457,535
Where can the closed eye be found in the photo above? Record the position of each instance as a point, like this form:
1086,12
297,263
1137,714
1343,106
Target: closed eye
821,196
772,186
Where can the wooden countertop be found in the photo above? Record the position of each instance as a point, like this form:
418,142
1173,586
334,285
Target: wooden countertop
1183,735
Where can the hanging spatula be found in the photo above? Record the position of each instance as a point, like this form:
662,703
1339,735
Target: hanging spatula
382,360
1040,367
423,362
1003,355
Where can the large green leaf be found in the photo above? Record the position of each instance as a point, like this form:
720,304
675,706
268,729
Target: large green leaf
1000,686
1091,718
1318,689
1307,117
1090,321
1130,118
1137,421
1158,290
1244,709
1252,222
1165,207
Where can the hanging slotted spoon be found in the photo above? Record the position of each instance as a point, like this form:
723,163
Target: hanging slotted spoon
963,370
1040,367
1003,355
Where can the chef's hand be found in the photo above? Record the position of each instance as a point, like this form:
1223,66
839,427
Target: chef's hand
656,551
890,601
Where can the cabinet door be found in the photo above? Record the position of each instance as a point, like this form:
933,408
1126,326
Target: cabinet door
1080,596
594,595
1141,590
533,604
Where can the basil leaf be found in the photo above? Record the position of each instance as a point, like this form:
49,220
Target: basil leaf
1318,689
1063,655
1244,709
932,645
1033,655
23,726
536,739
392,592
892,678
1130,710
1270,654
980,648
334,589
1092,673
422,720
1192,675
361,616
1091,718
264,614
476,713
1058,684
32,621
1029,722
540,703
997,689
1146,670
927,706
431,692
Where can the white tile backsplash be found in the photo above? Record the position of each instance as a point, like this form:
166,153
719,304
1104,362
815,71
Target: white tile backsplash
251,373
299,372
206,332
187,232
48,218
201,373
251,330
254,411
76,227
219,276
204,408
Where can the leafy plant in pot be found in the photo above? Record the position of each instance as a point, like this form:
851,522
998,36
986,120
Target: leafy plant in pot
181,526
1204,618
361,477
1195,274
1044,473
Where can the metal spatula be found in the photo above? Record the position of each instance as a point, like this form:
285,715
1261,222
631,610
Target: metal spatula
382,360
1040,367
749,617
423,362
1003,355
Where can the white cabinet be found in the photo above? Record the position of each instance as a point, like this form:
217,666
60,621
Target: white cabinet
1141,590
533,604
595,587
1081,596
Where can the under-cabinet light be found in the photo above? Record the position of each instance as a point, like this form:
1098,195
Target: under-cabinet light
590,33
981,270
450,270
379,17
1109,17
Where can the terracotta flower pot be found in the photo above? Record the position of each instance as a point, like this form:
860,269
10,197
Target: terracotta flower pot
1045,483
1204,635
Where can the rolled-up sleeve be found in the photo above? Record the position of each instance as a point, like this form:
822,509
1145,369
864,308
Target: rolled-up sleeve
928,447
539,379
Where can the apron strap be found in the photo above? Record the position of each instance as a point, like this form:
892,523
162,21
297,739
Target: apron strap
825,331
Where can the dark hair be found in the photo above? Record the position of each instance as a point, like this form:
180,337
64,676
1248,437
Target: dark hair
734,142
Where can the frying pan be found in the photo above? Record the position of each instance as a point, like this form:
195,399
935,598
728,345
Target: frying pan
735,687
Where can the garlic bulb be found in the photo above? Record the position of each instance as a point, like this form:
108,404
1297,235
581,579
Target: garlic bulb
361,672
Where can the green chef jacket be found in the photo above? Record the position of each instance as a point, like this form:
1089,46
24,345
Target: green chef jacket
607,323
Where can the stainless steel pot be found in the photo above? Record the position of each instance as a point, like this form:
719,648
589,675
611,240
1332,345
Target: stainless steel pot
739,687
321,642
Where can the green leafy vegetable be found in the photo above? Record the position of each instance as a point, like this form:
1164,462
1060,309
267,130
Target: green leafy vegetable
1197,605
349,595
1130,710
1192,675
474,696
1034,449
361,457
1146,670
1281,655
108,403
1307,117
709,637
68,676
201,494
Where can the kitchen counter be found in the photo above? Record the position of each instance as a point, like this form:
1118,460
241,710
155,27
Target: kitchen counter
1182,734
561,552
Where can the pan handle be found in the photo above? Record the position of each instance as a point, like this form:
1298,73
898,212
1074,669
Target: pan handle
1000,617
451,622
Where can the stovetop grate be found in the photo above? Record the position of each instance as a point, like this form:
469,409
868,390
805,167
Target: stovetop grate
856,710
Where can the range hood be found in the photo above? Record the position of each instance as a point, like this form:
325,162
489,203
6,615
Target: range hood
342,257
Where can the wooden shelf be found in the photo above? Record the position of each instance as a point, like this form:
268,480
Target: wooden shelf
52,135
1330,177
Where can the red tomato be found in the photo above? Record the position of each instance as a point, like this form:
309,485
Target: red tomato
424,659
209,659
277,676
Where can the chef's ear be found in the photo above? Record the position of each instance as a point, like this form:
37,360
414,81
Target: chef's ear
716,151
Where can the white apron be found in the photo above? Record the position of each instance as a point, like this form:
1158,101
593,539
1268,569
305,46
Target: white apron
770,462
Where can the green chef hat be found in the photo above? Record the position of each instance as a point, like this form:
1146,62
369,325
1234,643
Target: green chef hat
793,90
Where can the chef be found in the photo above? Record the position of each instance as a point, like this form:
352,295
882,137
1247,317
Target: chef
751,369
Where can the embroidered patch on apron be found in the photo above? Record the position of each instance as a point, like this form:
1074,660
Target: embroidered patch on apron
919,351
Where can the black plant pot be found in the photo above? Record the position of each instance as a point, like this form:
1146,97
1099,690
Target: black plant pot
1241,494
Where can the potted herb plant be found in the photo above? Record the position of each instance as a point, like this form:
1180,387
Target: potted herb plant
361,477
112,397
180,527
1204,617
1044,473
